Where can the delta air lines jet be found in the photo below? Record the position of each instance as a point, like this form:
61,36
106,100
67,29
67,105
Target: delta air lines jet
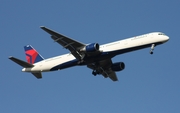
94,56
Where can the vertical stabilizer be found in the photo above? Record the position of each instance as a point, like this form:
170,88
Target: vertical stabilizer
32,56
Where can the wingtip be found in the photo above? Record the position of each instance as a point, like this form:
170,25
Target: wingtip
10,57
42,27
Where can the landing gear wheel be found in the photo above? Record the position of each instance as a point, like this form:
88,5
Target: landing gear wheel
151,52
94,73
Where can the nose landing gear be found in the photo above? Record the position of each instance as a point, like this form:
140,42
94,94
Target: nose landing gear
152,48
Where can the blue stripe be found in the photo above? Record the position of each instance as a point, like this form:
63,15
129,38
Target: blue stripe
27,47
102,56
122,51
38,58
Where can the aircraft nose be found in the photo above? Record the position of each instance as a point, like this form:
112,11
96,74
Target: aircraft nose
166,38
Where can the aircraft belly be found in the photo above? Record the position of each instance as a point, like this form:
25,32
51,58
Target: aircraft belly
36,69
64,65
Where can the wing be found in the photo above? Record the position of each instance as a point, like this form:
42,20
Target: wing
66,42
104,68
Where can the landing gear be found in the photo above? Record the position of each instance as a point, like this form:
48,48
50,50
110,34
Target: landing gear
95,72
152,48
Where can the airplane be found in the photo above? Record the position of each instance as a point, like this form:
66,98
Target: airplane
94,56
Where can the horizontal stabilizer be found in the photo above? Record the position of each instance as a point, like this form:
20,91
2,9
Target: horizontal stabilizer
38,75
21,63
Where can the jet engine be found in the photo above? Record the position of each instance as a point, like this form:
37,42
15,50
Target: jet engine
119,66
91,47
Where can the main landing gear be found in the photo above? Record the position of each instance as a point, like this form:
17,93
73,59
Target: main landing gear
95,72
152,48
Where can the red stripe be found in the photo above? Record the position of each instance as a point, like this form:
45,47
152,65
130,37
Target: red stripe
33,55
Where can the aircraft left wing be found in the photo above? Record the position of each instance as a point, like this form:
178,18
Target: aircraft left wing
66,42
104,68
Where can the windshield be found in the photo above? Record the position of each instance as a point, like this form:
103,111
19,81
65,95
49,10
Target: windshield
161,34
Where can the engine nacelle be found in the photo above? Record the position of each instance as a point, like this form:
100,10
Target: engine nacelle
119,66
91,47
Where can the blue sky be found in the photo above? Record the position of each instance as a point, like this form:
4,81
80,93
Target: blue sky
150,83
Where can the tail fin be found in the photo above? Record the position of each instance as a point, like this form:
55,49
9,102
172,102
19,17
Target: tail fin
32,56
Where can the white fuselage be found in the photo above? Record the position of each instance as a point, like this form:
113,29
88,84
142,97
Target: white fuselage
117,47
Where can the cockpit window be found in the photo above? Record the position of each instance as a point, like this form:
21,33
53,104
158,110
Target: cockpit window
161,34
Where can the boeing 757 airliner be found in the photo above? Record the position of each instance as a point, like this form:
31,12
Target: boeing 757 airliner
94,56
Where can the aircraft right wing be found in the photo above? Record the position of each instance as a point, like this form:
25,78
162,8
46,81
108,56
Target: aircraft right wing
66,42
